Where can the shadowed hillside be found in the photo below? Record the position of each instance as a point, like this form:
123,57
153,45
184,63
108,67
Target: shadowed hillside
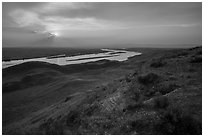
22,68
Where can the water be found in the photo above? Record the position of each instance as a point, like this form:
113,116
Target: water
118,55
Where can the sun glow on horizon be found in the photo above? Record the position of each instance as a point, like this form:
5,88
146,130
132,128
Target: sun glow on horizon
55,33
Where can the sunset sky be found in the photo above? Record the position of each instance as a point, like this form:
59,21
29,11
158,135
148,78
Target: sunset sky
100,24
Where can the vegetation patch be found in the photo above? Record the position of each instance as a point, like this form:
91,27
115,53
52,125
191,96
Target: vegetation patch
197,59
128,78
73,119
161,102
51,127
183,53
199,52
148,79
174,121
157,64
67,99
165,88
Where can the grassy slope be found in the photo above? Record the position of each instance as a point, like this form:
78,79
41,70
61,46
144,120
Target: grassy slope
43,85
159,92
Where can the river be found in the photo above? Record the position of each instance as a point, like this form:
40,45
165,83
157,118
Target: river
110,54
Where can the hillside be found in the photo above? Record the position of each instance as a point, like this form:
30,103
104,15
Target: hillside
159,92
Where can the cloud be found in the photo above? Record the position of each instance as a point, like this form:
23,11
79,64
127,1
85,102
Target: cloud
58,6
61,23
25,18
167,25
35,22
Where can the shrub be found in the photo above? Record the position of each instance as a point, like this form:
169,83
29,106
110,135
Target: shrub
196,60
165,88
199,53
134,98
67,99
73,119
134,93
127,79
157,64
183,53
147,79
134,105
194,48
139,125
89,109
161,102
51,127
149,92
192,70
174,121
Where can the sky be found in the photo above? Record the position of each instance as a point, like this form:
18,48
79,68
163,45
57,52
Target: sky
116,24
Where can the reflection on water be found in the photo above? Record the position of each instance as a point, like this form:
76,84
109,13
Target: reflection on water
119,55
